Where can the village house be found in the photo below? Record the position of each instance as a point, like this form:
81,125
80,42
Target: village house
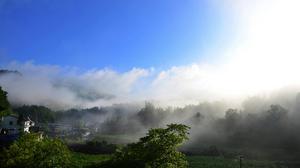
11,126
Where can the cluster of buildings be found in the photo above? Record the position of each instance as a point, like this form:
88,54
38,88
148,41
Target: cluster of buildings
66,131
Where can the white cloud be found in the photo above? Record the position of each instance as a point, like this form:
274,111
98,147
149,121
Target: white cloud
61,87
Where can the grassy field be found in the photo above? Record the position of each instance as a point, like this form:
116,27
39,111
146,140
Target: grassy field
86,160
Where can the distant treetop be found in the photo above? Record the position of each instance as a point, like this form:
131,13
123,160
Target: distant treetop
6,72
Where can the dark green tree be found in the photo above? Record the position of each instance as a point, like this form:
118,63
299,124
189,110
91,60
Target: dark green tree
156,150
33,151
150,116
5,108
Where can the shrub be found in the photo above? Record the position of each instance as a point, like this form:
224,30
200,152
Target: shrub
32,151
156,150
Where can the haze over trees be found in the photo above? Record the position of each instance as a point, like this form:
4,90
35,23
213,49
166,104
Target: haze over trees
262,127
268,131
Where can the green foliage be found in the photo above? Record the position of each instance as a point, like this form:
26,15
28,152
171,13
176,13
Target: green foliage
5,108
32,151
156,150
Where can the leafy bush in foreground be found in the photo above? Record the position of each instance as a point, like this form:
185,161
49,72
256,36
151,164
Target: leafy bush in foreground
32,151
156,150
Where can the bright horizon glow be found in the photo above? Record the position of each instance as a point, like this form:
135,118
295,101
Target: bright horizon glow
266,55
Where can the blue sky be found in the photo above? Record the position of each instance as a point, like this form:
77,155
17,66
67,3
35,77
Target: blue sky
116,34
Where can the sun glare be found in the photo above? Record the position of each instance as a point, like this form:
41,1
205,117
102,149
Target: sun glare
267,56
